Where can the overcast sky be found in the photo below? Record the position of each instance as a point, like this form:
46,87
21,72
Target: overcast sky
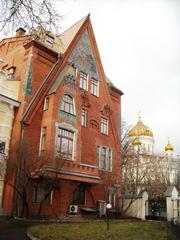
139,44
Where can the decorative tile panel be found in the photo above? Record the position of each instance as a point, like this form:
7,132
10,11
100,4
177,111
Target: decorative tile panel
82,57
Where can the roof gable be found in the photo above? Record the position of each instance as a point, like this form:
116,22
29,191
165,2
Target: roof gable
67,36
82,56
83,53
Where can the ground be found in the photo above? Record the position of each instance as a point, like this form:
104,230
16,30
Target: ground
13,229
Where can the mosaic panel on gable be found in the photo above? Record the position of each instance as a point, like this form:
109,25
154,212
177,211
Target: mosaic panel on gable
82,57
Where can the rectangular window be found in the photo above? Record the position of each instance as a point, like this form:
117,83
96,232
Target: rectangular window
10,73
104,156
41,192
2,147
65,141
79,196
104,126
95,87
46,103
43,139
49,40
83,117
84,81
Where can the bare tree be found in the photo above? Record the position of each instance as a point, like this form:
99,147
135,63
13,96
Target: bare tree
25,171
140,171
51,182
29,14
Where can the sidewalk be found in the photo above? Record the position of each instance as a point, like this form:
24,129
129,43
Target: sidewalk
175,229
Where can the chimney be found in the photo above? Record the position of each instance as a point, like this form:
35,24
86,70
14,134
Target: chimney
20,32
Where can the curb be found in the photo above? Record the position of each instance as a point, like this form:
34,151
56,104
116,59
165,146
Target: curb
32,237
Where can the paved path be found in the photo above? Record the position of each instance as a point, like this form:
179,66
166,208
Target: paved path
13,230
175,229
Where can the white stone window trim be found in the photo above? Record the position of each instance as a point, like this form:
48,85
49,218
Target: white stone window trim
67,127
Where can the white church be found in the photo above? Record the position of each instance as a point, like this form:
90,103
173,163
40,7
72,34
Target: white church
141,140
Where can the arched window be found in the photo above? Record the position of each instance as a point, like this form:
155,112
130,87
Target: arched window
68,104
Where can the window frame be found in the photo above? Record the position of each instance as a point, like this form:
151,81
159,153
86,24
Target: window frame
104,126
104,159
83,117
40,189
67,105
83,80
63,137
43,139
95,87
10,73
46,103
79,195
49,40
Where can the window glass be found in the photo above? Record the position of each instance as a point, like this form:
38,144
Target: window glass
68,104
43,138
41,192
65,143
104,126
10,73
49,40
95,87
104,156
84,81
46,103
79,195
83,117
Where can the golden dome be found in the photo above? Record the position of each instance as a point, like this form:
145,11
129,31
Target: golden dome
136,141
169,147
140,130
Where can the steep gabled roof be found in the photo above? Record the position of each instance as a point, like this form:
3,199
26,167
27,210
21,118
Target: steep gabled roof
67,36
78,32
58,66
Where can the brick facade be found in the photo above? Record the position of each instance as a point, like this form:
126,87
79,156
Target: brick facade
82,162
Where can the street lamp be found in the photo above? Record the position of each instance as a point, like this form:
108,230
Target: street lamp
108,207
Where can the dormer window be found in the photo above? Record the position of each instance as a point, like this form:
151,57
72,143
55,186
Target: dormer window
10,73
49,40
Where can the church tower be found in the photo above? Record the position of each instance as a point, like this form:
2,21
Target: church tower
141,138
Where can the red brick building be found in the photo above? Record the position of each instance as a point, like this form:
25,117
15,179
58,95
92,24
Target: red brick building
66,130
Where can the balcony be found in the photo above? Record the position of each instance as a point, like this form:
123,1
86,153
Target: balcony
73,171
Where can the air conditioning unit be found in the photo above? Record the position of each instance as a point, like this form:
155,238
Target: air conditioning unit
73,208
